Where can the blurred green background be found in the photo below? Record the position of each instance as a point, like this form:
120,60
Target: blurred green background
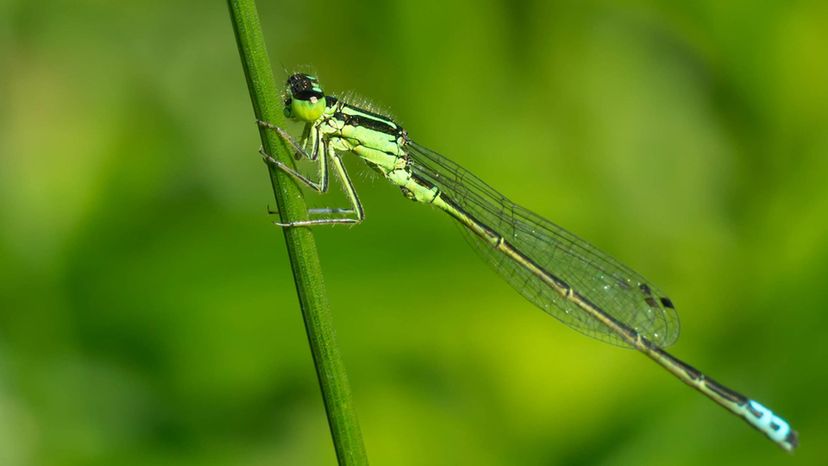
147,311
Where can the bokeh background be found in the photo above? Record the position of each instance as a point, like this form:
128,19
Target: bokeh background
147,311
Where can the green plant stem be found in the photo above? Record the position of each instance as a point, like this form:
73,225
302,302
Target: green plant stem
301,247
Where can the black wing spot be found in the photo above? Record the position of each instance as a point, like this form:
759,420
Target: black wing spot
665,301
645,289
651,301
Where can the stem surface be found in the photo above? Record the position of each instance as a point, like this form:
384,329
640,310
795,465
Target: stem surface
301,246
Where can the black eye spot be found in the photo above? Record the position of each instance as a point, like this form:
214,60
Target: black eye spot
308,95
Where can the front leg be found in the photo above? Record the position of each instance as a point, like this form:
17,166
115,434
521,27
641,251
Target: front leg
350,191
314,135
309,133
320,186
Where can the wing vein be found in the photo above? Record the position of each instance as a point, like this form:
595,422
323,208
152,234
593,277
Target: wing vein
616,289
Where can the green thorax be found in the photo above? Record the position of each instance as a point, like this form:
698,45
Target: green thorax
375,138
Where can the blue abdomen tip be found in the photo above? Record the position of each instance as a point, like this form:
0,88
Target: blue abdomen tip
772,425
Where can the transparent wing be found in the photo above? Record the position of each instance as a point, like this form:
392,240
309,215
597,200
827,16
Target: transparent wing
617,290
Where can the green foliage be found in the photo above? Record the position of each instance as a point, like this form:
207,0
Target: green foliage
144,317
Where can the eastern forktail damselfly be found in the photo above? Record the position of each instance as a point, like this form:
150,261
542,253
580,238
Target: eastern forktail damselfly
562,274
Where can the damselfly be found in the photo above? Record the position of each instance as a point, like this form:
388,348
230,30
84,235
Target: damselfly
562,274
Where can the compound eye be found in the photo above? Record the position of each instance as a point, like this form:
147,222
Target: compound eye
304,87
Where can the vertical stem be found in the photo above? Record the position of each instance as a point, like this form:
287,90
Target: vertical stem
301,247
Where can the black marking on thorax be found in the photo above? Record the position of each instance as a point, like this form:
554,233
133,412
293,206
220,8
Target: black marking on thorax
369,120
369,123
